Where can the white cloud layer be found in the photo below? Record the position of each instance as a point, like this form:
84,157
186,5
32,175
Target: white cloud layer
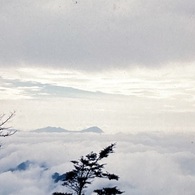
165,82
96,35
147,163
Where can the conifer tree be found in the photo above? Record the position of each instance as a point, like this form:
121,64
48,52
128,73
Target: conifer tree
86,169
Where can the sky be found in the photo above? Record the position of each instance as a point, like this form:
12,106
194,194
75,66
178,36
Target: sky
125,66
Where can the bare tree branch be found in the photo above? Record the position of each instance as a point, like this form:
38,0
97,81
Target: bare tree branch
5,131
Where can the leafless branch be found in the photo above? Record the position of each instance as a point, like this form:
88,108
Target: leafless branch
5,131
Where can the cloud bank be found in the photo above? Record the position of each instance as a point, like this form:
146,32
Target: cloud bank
147,163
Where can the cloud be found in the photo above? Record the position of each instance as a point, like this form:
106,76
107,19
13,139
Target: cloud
39,88
139,99
136,100
163,83
96,35
147,163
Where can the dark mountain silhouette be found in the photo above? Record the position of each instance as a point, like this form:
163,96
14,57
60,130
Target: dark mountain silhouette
49,129
92,130
57,177
26,165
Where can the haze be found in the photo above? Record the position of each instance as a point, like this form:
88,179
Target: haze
121,65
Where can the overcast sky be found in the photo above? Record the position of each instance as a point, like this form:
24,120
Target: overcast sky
121,65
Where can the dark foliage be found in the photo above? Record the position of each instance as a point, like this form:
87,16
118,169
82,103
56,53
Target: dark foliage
108,191
86,169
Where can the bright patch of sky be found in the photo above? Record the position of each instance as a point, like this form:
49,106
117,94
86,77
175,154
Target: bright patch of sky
162,82
137,99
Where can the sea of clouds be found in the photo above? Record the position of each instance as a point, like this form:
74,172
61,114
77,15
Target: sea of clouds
147,163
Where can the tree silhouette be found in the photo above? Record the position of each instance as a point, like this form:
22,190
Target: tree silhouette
86,169
108,191
5,131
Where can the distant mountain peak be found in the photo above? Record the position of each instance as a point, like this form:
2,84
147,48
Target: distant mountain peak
49,129
93,129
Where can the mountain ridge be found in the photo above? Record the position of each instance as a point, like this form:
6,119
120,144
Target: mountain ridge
50,129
